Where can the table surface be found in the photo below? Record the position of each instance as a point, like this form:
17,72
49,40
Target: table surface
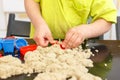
114,48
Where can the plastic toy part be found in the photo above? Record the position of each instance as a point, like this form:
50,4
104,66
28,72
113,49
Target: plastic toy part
20,43
0,44
1,55
8,46
11,46
25,49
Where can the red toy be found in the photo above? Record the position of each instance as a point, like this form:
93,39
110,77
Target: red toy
1,55
25,49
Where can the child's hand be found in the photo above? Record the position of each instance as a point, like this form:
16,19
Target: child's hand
43,36
73,38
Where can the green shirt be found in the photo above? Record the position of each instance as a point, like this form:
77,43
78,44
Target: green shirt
61,15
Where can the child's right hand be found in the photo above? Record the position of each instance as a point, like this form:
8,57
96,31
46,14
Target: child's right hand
43,36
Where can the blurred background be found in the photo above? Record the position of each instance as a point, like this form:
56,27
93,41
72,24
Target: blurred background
17,7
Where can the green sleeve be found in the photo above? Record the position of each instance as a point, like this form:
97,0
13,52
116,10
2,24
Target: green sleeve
104,9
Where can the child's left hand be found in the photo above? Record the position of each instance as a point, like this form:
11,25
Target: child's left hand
74,38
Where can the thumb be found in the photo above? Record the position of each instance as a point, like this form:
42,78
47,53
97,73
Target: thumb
51,40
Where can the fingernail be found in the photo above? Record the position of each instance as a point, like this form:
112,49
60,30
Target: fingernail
62,46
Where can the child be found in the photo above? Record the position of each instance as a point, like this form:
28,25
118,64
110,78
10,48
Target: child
68,20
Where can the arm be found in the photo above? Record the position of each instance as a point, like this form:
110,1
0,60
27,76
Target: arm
97,28
77,35
33,12
42,35
103,15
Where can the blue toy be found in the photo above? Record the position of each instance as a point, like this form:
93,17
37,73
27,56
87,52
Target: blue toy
11,46
0,44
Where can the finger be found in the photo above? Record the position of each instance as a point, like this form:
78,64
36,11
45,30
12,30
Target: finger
54,42
41,41
78,41
50,39
72,40
45,42
67,38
